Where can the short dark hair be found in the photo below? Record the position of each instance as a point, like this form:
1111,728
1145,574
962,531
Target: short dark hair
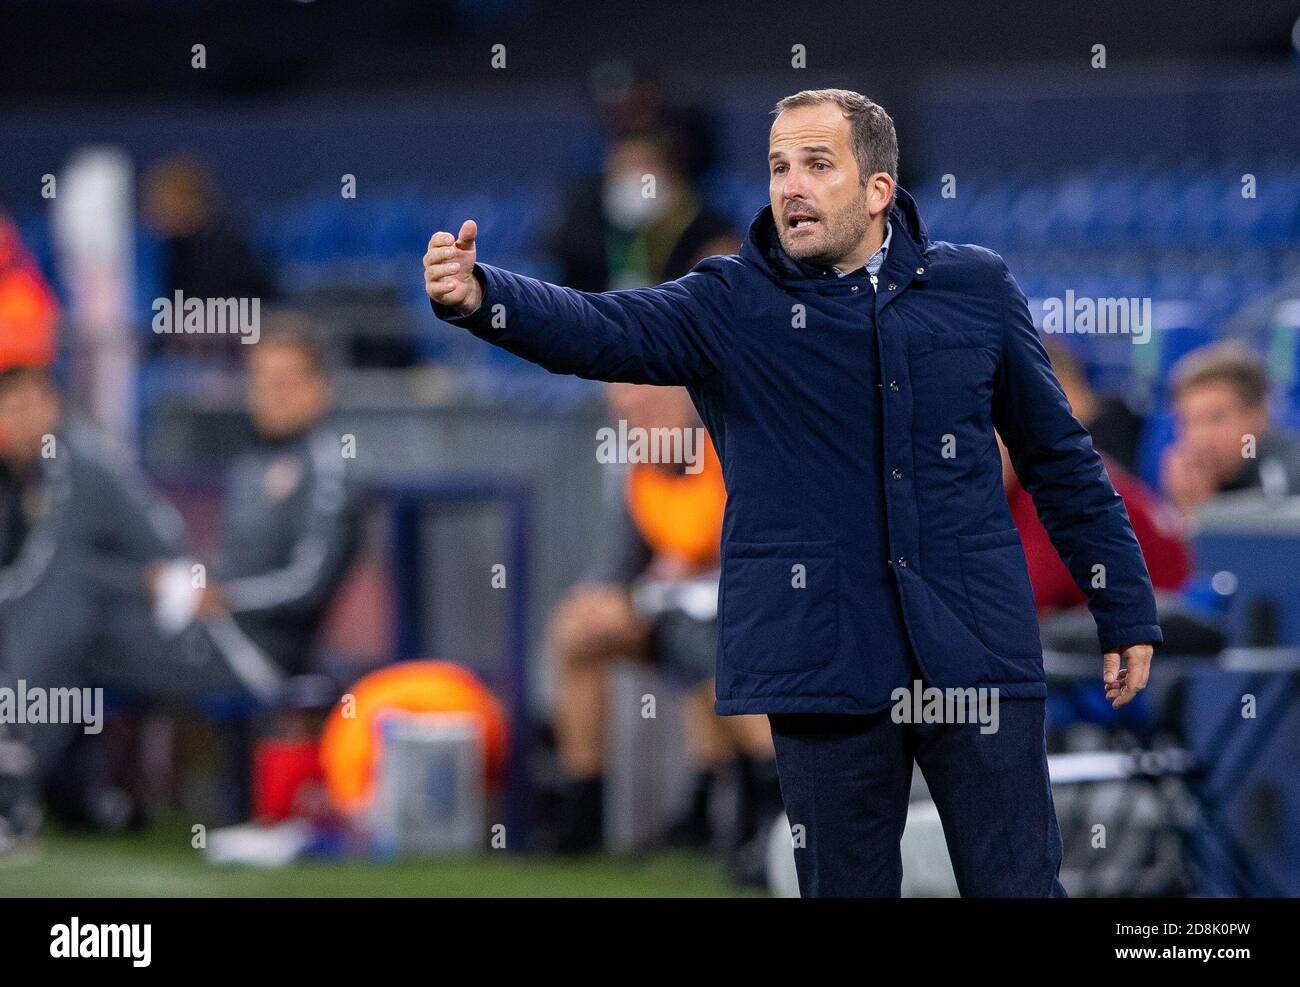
1228,362
875,142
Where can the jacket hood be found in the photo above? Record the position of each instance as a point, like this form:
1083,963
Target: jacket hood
762,246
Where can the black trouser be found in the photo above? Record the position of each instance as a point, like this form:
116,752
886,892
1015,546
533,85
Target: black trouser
846,781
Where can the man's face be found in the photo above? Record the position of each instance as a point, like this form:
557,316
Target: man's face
286,395
822,209
29,411
1212,422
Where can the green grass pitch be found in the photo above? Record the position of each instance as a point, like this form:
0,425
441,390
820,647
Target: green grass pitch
160,863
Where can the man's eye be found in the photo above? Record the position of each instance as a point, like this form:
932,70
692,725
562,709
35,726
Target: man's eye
821,164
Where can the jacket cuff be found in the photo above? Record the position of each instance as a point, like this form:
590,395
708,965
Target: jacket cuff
479,318
1119,638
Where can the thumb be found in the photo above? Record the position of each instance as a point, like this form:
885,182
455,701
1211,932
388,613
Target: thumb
1109,666
468,234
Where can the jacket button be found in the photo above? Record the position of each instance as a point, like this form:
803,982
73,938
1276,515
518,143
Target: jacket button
920,270
896,473
892,287
893,385
902,561
854,289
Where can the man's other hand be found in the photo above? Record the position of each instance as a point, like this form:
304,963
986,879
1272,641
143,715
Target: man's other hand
1122,684
449,269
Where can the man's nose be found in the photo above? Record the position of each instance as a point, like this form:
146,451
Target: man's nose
794,188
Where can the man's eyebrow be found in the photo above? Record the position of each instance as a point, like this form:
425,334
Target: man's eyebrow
808,148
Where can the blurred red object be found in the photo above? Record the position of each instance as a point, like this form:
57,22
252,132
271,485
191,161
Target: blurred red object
28,311
281,767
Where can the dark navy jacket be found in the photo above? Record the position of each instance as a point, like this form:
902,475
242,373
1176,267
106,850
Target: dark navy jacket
865,516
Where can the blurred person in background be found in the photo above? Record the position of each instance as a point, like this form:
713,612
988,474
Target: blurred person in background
654,598
292,522
644,224
95,588
291,531
203,254
28,310
81,540
1226,442
1115,427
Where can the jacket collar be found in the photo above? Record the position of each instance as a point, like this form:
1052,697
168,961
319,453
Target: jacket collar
906,255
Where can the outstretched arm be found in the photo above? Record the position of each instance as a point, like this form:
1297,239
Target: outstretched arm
666,334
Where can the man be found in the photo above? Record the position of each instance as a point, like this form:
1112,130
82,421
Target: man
618,236
292,520
292,527
1226,442
202,254
852,373
81,537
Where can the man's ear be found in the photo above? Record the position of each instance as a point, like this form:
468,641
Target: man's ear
882,192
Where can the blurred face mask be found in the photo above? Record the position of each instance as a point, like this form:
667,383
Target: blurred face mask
627,206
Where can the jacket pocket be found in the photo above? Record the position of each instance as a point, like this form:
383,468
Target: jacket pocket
778,606
999,593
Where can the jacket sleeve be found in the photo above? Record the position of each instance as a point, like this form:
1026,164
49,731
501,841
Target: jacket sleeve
328,537
1054,458
145,527
1154,522
128,524
666,334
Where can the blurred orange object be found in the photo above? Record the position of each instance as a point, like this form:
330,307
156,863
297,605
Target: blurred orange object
679,515
28,311
349,747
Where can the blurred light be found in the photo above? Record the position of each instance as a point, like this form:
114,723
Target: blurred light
1224,583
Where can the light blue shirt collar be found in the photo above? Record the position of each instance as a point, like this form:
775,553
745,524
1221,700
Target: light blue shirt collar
877,260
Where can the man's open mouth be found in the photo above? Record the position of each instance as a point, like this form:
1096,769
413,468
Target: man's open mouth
799,221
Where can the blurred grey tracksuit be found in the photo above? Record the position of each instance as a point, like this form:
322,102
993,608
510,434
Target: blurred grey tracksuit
74,542
291,530
74,608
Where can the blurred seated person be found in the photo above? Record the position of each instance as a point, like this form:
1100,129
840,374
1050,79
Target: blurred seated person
1225,440
644,224
1116,429
80,536
28,310
292,515
95,588
291,529
203,254
655,599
